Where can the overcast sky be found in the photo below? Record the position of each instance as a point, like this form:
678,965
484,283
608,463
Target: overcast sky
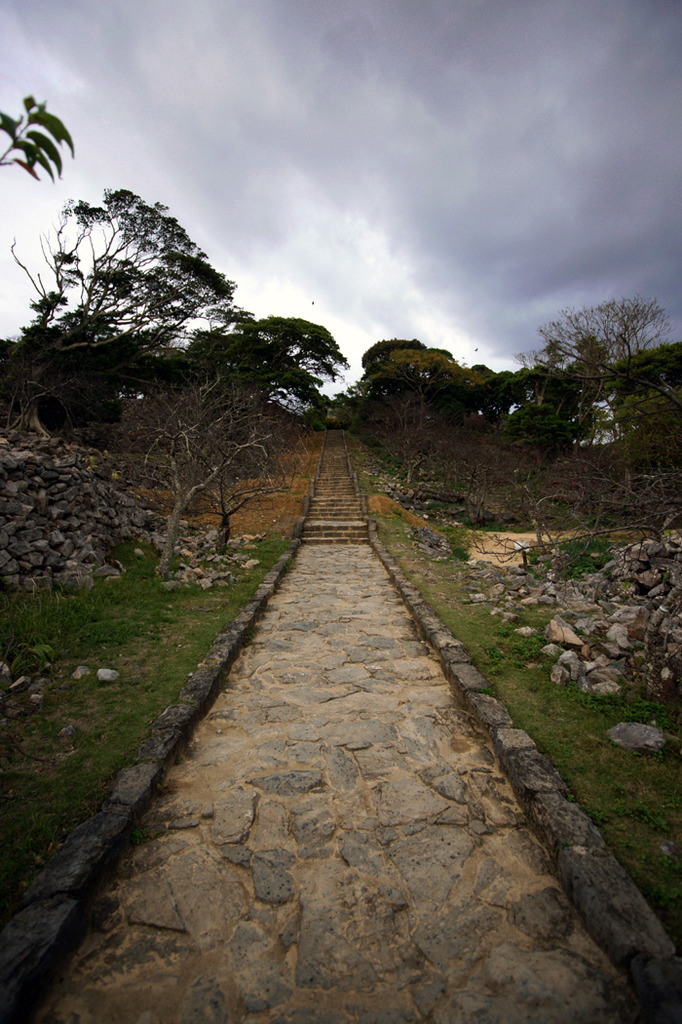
453,170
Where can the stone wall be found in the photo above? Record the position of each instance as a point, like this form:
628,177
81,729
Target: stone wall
60,512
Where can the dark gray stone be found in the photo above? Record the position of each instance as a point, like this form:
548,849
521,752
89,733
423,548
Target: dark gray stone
272,882
455,935
77,866
360,850
562,823
313,825
658,984
31,946
465,677
446,782
490,711
288,783
614,910
641,739
182,717
203,688
205,1003
162,746
542,915
134,788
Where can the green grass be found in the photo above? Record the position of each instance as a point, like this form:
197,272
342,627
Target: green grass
636,801
153,637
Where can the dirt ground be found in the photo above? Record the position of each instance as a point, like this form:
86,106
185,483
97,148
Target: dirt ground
277,513
497,548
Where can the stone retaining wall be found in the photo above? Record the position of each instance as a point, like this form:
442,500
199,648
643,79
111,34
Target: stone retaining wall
60,512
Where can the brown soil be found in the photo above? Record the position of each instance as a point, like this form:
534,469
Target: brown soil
276,513
380,505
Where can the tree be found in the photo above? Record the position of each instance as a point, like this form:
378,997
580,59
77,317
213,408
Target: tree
429,374
124,282
382,349
285,357
539,426
207,438
34,145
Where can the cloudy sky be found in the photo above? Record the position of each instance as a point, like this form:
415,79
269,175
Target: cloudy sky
453,170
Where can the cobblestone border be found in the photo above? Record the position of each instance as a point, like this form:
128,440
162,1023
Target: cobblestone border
613,909
55,913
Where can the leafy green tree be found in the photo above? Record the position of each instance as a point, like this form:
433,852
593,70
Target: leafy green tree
35,146
285,357
378,352
539,426
124,287
432,376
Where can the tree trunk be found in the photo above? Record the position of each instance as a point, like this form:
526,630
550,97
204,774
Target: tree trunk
172,533
226,529
30,420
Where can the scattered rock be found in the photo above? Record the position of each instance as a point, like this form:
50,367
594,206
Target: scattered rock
641,739
107,675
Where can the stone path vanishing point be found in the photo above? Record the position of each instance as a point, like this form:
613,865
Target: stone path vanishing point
338,845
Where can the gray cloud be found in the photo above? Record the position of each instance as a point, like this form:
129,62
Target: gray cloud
457,172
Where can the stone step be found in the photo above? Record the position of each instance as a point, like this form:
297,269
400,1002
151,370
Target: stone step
336,532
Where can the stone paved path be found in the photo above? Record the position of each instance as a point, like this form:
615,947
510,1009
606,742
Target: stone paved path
338,846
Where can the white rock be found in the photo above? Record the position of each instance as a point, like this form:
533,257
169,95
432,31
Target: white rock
107,675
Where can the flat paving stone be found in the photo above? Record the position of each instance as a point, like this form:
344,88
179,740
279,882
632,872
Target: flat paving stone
365,861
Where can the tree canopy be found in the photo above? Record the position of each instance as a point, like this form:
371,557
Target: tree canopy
123,282
285,357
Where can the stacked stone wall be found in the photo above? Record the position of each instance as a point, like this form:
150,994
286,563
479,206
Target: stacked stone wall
60,511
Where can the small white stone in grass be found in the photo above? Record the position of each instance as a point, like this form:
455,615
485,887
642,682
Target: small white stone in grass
107,675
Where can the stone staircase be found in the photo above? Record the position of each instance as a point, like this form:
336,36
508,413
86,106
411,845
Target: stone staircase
335,512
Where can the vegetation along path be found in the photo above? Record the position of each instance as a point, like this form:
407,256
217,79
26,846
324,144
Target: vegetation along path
339,844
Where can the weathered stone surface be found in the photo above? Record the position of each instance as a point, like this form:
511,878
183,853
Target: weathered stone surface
288,783
134,788
431,861
262,983
31,946
613,908
178,716
313,826
192,892
233,817
77,865
205,1003
641,739
162,746
542,915
559,632
562,823
490,711
466,677
271,880
530,772
406,800
658,983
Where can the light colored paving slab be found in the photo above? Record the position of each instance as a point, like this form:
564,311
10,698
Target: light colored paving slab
339,845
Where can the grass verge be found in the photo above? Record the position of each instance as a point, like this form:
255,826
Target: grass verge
152,637
635,801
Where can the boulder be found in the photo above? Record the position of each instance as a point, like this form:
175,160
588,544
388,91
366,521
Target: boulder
639,738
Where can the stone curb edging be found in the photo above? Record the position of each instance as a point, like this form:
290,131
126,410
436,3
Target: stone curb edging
613,909
54,917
